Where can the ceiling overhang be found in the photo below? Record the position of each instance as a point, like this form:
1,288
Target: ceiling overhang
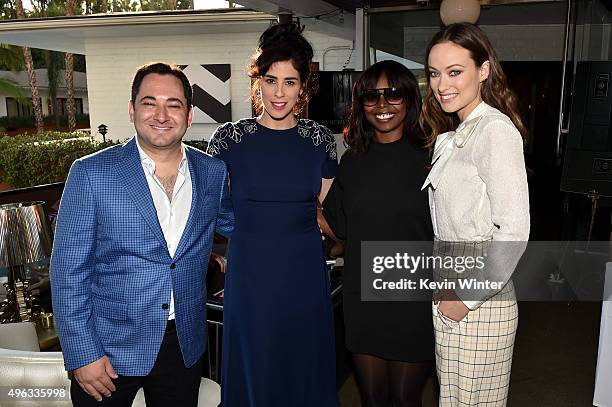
71,34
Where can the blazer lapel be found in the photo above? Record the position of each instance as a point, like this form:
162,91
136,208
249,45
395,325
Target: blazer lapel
132,175
198,174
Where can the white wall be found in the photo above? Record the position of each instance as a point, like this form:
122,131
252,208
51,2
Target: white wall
83,95
335,58
3,111
110,69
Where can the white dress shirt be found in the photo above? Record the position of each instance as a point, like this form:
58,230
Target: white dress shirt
478,181
171,214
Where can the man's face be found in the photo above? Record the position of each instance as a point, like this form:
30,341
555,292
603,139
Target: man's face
160,113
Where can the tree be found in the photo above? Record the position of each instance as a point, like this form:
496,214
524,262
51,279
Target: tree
27,56
54,61
70,77
7,10
151,5
54,65
11,58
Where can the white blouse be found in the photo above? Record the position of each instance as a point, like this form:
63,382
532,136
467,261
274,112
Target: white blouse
478,183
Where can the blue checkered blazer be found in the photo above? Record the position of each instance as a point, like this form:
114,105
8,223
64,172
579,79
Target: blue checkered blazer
111,271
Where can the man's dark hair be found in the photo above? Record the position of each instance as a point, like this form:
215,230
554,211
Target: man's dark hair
161,68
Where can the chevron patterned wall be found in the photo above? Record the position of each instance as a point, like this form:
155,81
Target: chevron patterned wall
211,92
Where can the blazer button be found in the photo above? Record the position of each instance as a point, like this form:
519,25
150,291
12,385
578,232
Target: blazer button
173,266
164,306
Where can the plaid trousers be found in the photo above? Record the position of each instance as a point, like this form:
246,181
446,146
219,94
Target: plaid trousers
474,355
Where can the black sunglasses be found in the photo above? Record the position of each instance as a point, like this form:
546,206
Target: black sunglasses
393,96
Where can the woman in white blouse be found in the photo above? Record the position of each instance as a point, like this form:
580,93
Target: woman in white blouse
479,204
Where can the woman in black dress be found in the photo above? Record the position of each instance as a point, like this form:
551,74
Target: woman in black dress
376,196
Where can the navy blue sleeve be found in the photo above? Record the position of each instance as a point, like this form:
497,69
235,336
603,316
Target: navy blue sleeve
219,142
330,165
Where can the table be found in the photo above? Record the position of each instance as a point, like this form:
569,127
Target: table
47,338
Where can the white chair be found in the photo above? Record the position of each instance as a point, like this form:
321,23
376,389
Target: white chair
26,369
19,336
22,365
210,395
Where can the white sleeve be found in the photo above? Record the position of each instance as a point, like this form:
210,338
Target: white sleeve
499,159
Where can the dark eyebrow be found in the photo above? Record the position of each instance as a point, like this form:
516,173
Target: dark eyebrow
431,68
176,100
151,98
274,77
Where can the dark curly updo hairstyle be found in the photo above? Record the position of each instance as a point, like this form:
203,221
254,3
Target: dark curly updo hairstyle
283,42
358,133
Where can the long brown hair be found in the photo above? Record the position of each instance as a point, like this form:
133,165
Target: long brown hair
494,90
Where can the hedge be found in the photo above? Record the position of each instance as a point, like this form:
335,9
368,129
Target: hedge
30,160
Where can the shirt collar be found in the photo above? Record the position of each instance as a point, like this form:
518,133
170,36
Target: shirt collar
478,111
447,142
149,164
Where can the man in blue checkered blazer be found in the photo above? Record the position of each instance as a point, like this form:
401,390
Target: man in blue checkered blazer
133,239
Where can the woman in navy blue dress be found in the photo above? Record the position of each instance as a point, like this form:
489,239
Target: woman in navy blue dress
278,331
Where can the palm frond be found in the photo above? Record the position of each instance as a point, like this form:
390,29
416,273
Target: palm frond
11,57
11,88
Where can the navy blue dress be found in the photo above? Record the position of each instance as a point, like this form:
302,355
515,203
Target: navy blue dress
278,331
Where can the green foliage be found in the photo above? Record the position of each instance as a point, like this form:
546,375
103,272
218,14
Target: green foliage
184,5
11,57
151,5
96,6
7,10
123,5
55,61
11,88
40,61
30,160
51,8
119,6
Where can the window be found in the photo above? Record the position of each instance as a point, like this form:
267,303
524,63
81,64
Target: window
62,104
19,109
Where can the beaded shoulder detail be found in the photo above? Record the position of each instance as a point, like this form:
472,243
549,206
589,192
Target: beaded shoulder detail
233,131
319,134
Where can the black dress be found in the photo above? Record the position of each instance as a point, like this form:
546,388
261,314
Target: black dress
377,195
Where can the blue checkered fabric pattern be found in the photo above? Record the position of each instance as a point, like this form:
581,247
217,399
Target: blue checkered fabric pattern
111,271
